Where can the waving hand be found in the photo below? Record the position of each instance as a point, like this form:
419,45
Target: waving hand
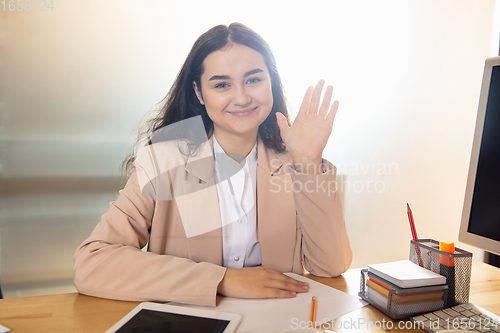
307,137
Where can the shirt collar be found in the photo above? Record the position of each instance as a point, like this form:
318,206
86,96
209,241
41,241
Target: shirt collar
251,158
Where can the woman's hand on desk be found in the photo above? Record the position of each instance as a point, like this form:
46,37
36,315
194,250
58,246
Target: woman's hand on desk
258,282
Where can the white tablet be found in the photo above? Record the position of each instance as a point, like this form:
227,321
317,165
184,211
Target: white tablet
154,317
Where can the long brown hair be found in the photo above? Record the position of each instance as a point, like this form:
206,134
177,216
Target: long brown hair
181,102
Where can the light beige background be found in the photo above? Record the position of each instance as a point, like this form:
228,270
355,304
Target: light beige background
76,81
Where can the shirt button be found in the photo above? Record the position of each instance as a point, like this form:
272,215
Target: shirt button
240,221
236,258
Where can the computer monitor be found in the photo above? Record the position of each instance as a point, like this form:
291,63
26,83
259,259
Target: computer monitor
480,225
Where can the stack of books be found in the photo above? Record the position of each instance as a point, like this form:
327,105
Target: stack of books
401,276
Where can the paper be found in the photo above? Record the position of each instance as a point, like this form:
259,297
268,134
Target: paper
4,329
275,315
406,274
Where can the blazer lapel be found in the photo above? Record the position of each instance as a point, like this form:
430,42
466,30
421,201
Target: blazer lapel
198,206
276,213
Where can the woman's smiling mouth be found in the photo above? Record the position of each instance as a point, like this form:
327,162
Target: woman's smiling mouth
243,113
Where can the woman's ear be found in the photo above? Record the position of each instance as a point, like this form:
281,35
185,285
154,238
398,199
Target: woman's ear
198,93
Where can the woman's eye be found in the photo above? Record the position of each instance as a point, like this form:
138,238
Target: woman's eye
254,80
221,85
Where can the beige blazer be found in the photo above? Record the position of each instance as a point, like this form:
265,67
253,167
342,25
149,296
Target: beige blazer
299,219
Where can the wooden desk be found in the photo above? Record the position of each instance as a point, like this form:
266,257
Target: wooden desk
79,313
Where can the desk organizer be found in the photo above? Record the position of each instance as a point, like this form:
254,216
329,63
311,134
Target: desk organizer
457,276
398,310
455,291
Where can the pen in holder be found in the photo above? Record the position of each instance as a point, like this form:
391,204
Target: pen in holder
456,267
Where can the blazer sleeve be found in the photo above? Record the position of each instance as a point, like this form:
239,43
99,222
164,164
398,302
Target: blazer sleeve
111,264
325,247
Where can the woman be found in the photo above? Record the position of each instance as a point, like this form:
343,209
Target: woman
226,194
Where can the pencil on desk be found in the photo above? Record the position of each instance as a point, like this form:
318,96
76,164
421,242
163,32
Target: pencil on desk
313,310
414,234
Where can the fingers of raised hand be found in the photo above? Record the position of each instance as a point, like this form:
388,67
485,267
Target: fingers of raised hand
312,99
304,107
333,111
316,97
282,122
325,106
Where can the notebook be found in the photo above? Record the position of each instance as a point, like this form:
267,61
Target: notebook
406,274
404,308
406,297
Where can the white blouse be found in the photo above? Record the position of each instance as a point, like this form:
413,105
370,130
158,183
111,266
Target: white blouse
236,189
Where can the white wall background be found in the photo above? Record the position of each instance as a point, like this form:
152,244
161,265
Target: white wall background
407,74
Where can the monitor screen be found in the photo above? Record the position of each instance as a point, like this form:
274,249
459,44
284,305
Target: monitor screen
481,214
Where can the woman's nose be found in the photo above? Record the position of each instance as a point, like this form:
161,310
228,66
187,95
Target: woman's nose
241,97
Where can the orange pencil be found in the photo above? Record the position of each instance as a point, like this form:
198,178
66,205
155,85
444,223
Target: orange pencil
313,310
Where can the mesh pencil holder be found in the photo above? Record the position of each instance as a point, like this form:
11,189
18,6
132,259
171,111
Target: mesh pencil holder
456,268
403,303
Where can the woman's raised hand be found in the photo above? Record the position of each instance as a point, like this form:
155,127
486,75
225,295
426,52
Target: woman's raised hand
258,282
306,139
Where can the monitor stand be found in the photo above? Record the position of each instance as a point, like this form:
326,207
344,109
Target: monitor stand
492,259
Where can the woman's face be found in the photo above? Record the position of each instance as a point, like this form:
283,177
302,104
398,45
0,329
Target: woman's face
236,90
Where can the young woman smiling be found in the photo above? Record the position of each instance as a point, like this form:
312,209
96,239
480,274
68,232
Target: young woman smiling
248,229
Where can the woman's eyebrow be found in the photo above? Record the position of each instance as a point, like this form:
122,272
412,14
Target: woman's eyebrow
253,71
226,77
219,77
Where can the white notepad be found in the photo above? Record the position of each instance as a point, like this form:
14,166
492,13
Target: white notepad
4,329
275,315
406,274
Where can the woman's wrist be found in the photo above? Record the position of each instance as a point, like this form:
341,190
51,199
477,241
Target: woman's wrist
308,166
220,287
